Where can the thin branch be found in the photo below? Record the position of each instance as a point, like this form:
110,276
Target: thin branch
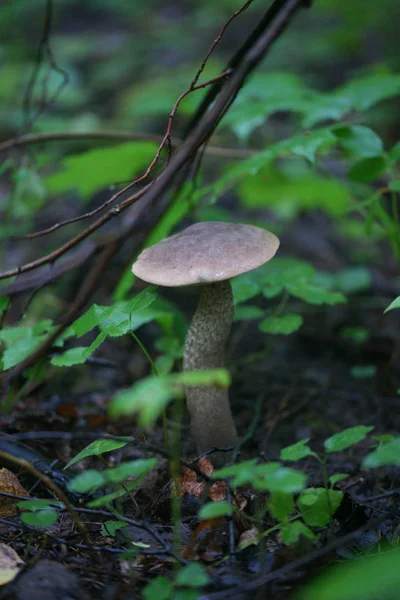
199,136
75,136
27,466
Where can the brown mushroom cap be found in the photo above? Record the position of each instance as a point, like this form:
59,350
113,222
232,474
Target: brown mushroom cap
205,253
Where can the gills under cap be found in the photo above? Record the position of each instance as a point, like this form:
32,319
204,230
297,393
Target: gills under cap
205,253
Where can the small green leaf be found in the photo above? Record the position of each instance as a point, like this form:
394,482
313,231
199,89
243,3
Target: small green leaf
97,448
79,355
387,454
246,313
394,185
35,505
213,510
150,396
282,479
346,438
212,377
241,473
333,479
314,294
315,507
193,575
100,167
107,499
368,578
87,482
359,141
368,169
4,302
297,451
40,518
110,528
394,304
159,588
290,533
363,371
281,325
90,480
280,505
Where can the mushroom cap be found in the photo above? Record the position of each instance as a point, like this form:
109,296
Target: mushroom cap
205,253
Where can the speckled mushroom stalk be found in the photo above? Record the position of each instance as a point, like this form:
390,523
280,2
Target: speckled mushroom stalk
211,418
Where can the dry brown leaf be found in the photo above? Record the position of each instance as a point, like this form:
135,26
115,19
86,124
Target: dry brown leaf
205,540
188,483
206,466
10,485
10,563
251,537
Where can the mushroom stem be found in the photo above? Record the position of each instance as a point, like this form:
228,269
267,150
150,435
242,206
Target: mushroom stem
211,417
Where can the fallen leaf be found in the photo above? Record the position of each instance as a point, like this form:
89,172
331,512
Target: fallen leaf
189,484
10,485
10,563
251,537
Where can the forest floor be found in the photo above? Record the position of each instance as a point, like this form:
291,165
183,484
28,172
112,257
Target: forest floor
311,384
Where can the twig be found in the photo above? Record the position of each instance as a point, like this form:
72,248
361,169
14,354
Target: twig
125,136
201,133
284,571
27,466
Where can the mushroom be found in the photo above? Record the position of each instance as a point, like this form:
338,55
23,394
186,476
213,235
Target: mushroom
208,254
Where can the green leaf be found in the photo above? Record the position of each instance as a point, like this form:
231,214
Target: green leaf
246,313
281,325
334,479
110,528
241,473
359,335
290,533
315,507
193,575
150,396
374,576
297,451
159,588
363,371
90,480
4,302
134,468
394,185
97,448
346,438
20,349
213,510
359,141
78,355
280,505
108,499
212,377
282,479
305,145
245,287
368,169
35,505
293,189
387,454
87,482
394,304
95,169
313,294
41,518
